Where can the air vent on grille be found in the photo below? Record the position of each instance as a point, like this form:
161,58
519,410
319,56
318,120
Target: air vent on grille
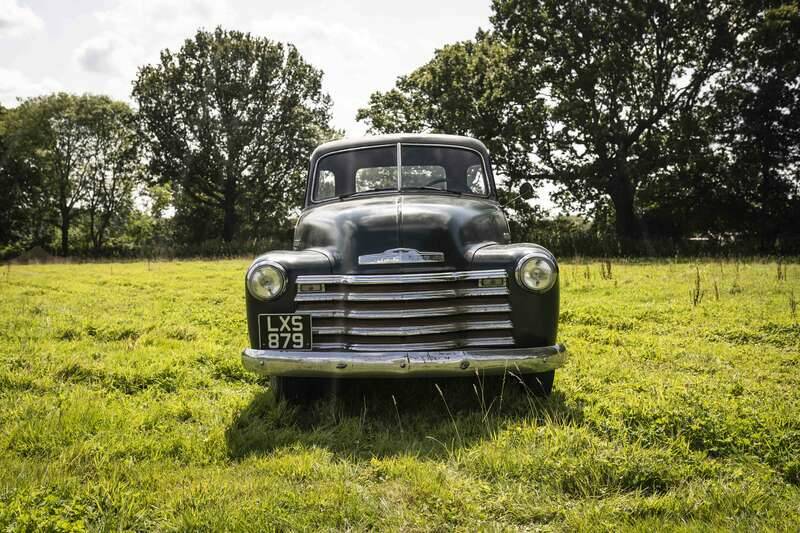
398,312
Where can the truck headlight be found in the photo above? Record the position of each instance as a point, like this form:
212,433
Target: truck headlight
536,273
266,280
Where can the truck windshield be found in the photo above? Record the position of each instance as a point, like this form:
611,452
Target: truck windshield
421,167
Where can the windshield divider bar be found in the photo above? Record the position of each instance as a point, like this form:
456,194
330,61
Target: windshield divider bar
399,168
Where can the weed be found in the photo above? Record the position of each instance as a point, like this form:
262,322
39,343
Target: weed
397,413
450,414
735,287
605,270
793,306
696,294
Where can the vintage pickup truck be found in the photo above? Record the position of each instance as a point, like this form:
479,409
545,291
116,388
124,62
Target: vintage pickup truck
402,267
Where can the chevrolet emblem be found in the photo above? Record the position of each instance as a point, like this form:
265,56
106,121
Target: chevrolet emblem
401,256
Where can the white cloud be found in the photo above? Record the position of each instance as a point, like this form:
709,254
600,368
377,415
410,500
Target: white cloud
16,20
106,54
135,32
15,84
361,45
317,37
352,59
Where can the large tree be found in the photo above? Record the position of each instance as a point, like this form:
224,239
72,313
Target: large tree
58,137
230,120
587,91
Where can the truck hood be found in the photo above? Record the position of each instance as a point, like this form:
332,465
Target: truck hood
356,227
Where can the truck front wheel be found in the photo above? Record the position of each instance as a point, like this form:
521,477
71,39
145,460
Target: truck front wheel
540,384
297,390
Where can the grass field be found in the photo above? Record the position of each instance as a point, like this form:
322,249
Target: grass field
123,405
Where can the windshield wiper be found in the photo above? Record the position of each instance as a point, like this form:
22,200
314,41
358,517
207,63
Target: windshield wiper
354,193
429,188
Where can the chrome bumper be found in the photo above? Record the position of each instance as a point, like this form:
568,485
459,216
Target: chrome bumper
404,364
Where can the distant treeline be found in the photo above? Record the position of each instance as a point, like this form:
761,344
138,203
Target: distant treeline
667,128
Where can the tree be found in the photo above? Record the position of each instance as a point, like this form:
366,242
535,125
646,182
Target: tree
56,136
230,120
78,151
615,75
113,168
758,100
590,90
22,223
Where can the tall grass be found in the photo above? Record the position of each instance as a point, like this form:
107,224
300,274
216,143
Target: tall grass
123,406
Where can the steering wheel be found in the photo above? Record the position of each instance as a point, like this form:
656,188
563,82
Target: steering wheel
435,181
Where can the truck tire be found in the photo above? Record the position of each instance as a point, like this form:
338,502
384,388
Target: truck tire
297,390
539,384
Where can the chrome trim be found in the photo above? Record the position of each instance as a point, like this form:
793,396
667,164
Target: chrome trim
524,259
390,279
401,256
405,364
409,313
395,331
415,346
278,267
400,296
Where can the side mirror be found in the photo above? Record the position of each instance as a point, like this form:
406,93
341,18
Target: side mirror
526,191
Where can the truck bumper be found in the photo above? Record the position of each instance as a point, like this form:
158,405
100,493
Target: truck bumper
342,364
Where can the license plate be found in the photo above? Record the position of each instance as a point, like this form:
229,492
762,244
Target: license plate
284,332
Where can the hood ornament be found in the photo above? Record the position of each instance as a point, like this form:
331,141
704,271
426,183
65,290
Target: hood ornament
401,256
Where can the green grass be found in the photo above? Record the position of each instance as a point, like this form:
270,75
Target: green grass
123,405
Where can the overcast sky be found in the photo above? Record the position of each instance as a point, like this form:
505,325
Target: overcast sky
96,46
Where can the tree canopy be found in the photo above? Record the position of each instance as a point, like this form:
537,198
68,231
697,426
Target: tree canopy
619,104
229,121
66,152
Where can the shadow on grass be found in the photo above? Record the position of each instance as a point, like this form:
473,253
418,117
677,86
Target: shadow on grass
378,418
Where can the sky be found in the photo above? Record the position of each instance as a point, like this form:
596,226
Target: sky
96,46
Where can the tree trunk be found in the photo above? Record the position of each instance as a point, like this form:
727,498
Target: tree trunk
100,233
64,234
92,234
229,221
767,230
628,226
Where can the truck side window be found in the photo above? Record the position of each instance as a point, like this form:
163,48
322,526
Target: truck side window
476,181
326,185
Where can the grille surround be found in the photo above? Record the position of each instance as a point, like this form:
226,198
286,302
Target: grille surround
408,312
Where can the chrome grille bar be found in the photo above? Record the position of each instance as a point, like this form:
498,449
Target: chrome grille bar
416,346
399,296
391,279
399,312
391,331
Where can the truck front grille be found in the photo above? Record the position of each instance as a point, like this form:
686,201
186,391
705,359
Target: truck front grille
408,312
